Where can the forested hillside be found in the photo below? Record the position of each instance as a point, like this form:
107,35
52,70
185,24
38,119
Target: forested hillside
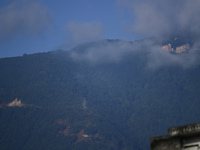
80,99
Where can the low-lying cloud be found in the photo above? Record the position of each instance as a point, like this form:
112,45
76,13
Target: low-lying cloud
22,17
155,18
158,58
102,51
116,50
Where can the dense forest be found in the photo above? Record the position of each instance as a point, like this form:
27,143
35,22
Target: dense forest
76,104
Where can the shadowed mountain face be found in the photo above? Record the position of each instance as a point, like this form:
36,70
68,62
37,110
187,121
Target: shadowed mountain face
103,95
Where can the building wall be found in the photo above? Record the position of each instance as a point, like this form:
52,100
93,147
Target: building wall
182,48
180,138
167,47
166,143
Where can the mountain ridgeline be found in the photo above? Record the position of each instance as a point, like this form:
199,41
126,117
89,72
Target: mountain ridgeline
101,95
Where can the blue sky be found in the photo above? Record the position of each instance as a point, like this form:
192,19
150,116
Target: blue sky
31,26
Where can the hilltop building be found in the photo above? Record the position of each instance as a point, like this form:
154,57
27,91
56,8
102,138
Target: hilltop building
179,138
182,48
15,103
178,50
167,47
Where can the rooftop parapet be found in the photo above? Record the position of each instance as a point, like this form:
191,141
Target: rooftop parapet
185,130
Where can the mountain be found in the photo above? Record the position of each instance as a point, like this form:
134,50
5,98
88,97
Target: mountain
108,94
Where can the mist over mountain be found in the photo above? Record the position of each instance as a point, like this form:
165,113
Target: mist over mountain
108,94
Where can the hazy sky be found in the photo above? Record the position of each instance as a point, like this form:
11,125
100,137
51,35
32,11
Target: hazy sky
30,26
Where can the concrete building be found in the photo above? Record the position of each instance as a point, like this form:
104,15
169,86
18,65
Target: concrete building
167,47
183,48
178,138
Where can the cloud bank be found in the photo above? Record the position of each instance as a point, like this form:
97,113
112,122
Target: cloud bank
162,18
114,51
24,17
102,51
155,18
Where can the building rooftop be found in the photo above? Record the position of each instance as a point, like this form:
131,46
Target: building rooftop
185,137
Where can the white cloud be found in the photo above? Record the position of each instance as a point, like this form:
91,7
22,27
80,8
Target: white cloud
115,51
151,18
102,51
23,17
161,18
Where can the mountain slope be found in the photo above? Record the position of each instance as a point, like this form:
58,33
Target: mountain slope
84,99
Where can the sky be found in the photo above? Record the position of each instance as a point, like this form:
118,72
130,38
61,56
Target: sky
31,26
